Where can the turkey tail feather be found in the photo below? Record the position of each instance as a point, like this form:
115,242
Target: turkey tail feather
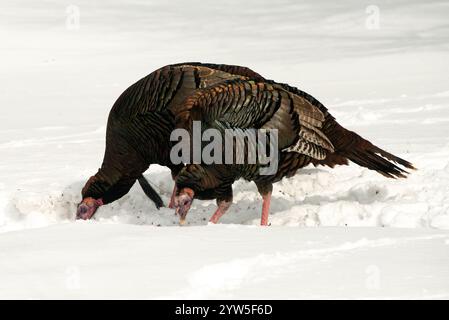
150,192
349,145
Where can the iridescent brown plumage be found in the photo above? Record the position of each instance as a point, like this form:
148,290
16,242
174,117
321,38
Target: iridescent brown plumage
307,134
139,128
143,117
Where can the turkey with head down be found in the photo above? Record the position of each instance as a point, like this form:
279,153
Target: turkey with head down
139,128
307,134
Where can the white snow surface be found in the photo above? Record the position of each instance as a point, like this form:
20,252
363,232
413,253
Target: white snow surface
335,233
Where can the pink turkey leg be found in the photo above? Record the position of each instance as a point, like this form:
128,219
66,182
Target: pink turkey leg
223,206
171,205
265,208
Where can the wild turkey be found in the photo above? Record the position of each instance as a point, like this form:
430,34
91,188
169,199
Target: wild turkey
308,133
139,127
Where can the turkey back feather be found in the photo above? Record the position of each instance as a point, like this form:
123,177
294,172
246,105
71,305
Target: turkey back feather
246,104
349,145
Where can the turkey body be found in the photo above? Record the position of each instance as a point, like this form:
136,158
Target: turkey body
307,133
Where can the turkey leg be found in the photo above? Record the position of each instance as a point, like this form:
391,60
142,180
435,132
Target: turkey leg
174,172
265,208
223,206
265,190
171,205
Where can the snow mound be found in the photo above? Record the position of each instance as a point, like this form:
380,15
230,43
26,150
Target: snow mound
345,196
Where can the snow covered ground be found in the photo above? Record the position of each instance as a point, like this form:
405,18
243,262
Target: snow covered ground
93,260
376,238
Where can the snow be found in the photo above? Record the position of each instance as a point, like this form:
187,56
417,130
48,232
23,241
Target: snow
336,233
92,260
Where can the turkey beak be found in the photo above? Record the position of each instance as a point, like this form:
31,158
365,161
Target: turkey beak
183,201
87,208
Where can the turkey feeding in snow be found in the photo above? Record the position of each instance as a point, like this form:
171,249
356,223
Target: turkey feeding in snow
307,134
